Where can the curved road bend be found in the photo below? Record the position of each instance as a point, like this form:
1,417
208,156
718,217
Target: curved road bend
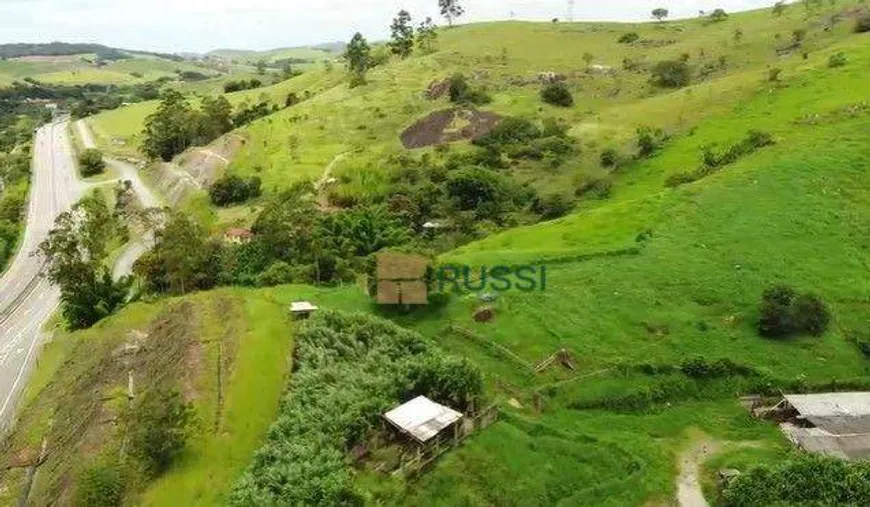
28,300
135,248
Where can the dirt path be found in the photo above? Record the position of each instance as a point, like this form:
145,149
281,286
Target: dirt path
322,183
689,493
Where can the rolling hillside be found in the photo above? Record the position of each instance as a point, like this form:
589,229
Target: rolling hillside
651,289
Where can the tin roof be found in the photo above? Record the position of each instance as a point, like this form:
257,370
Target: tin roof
302,306
422,418
836,413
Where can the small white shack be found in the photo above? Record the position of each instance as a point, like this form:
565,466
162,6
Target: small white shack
422,419
302,309
837,424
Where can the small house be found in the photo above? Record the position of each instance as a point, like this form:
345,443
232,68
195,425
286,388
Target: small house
302,309
421,419
238,236
836,424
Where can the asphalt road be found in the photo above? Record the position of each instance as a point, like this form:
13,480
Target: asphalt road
137,247
27,300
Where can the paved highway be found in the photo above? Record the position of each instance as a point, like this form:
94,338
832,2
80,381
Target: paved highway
27,300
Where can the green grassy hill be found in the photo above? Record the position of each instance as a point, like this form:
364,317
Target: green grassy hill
637,283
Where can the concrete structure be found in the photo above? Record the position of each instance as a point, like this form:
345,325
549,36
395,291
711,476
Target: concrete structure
837,424
302,309
422,419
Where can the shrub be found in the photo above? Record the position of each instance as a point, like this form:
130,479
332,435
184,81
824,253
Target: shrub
718,15
557,94
100,485
862,24
611,158
462,93
810,314
650,140
292,99
628,38
157,427
232,189
510,130
552,206
837,60
472,187
91,162
671,74
773,74
597,188
783,313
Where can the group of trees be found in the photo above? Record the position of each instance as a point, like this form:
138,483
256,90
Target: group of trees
176,126
242,84
353,368
784,312
232,189
404,38
75,254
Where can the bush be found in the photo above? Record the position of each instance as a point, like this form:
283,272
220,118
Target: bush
157,427
718,15
862,24
91,162
805,479
99,485
232,189
773,74
462,93
598,188
837,60
552,206
557,94
783,313
671,74
650,140
510,130
470,188
628,38
611,157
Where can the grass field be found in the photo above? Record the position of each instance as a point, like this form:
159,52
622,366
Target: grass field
652,275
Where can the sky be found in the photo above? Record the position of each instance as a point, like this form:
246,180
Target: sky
203,25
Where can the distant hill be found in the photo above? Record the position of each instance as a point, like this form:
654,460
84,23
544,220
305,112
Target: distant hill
18,50
299,54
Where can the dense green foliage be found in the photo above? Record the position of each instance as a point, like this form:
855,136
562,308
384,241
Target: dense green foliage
671,74
862,24
239,85
461,92
158,426
100,485
231,189
712,161
91,162
358,56
628,38
402,38
14,178
75,252
348,370
784,312
176,126
806,479
557,94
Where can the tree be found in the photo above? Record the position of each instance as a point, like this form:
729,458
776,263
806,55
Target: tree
91,162
660,14
738,35
402,42
588,58
169,130
261,67
358,57
427,34
451,10
557,94
779,8
671,74
718,15
158,426
183,259
216,119
75,251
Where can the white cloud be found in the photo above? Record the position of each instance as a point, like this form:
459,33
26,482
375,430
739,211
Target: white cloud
200,25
